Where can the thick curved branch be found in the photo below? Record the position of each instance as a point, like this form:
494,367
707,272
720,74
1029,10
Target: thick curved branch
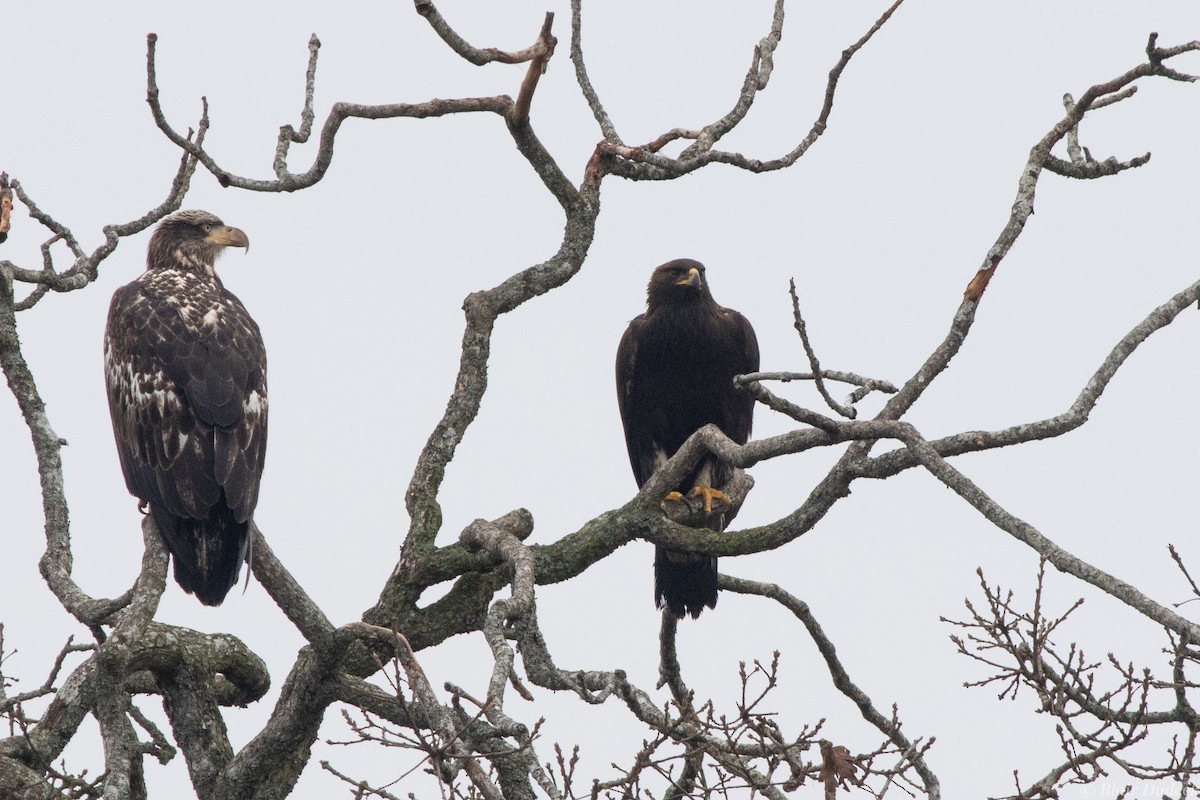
482,309
56,562
141,656
123,775
503,540
234,675
287,593
537,67
1090,170
275,757
269,765
487,55
197,724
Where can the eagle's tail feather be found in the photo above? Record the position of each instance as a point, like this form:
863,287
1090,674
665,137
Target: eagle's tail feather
207,554
686,583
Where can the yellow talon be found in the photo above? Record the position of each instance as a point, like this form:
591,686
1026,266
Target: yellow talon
709,494
672,497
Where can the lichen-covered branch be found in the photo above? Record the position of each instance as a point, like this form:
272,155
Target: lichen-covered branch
486,55
474,743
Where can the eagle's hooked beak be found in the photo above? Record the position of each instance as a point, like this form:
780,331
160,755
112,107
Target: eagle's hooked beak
692,279
229,236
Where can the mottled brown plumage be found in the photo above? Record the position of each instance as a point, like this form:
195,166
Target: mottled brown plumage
187,390
675,368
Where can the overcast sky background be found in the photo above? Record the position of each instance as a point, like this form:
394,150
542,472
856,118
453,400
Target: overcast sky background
357,284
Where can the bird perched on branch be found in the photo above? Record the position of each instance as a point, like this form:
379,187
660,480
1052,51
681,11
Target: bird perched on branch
675,368
187,390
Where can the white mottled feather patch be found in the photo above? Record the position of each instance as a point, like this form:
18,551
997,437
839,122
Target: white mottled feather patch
255,404
187,259
195,297
660,457
140,389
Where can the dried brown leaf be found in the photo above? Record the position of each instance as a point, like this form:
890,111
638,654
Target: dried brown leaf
837,766
5,209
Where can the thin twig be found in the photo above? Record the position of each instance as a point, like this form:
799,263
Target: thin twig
849,412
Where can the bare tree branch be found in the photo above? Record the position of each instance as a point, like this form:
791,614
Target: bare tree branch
913,752
643,163
475,744
538,50
86,266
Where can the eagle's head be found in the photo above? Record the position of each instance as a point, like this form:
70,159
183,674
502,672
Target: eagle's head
678,281
192,240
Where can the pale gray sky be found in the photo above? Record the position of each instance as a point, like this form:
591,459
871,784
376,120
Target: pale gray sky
357,284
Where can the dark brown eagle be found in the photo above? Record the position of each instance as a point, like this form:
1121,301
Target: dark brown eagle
675,368
187,389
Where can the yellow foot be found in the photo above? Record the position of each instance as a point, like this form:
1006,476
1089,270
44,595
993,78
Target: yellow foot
709,494
672,497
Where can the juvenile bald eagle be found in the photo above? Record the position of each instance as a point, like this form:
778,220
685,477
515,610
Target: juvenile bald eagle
675,368
187,391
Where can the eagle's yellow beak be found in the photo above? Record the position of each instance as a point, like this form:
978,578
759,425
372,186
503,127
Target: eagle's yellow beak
692,279
229,236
